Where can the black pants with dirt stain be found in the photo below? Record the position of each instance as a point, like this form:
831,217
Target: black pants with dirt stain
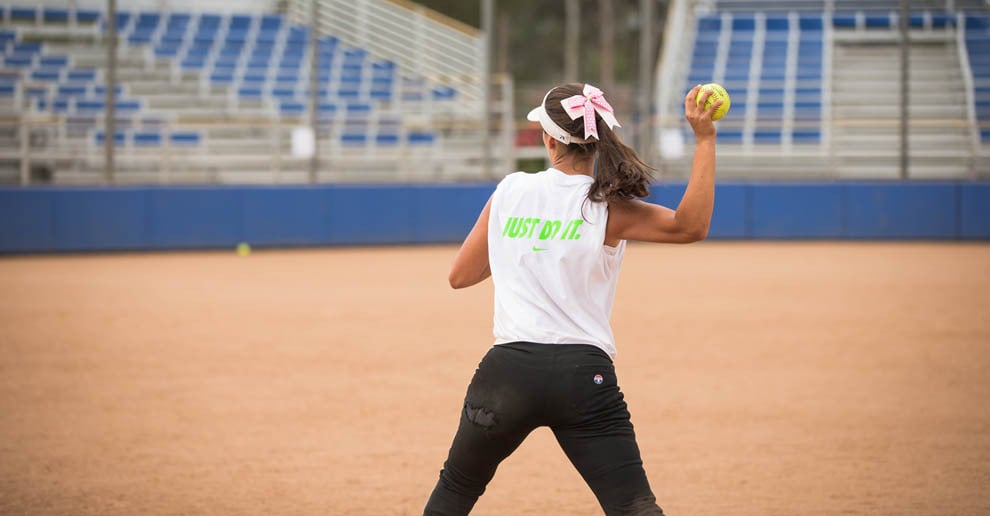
570,388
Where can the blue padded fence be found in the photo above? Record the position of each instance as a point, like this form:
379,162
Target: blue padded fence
57,219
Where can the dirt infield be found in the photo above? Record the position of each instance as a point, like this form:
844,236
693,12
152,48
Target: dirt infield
763,379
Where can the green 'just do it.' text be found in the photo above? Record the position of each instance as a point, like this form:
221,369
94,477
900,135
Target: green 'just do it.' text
526,227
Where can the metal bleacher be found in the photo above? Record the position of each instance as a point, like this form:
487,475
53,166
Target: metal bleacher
815,88
208,97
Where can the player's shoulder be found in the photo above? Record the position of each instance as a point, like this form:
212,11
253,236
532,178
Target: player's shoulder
516,180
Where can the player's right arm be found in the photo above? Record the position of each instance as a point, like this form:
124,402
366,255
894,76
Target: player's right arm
471,265
646,222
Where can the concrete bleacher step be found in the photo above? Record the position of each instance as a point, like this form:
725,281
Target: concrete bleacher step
949,143
866,112
886,97
131,73
889,168
874,110
893,75
150,88
179,103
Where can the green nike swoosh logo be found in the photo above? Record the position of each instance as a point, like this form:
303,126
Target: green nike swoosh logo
540,248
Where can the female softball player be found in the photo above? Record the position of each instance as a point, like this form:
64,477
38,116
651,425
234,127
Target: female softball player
553,243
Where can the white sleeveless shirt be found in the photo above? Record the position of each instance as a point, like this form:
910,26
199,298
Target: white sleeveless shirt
554,276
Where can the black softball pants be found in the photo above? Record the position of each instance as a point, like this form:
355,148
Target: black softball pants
572,389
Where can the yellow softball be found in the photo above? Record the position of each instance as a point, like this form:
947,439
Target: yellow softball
718,93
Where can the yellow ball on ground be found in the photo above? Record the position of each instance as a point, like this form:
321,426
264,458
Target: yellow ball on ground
243,249
718,93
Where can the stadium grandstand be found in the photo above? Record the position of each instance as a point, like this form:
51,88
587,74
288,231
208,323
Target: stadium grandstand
206,94
219,96
816,87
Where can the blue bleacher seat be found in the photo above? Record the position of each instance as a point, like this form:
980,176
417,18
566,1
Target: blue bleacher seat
172,39
878,21
240,21
24,13
194,62
36,91
140,37
236,38
291,108
87,16
7,90
266,37
47,75
53,14
358,109
167,52
444,93
254,77
767,136
185,138
743,23
101,90
286,78
224,76
349,93
380,94
806,136
777,23
80,75
225,64
148,19
71,90
250,92
387,139
128,105
119,137
844,20
710,24
810,22
985,134
284,93
26,48
146,138
210,20
123,19
297,36
271,22
942,20
421,138
353,138
18,61
771,94
327,109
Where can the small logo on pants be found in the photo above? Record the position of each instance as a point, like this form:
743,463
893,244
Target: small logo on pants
599,379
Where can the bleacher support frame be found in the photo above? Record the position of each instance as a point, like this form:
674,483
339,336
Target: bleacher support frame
875,22
430,139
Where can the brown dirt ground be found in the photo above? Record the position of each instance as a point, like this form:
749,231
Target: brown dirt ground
763,378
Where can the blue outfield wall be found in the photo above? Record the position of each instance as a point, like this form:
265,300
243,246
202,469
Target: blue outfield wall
62,219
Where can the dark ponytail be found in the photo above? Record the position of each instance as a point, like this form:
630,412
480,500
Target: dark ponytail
621,173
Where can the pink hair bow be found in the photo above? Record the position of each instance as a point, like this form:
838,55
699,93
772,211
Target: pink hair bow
586,105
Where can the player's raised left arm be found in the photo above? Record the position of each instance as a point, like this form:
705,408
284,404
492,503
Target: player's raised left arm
471,266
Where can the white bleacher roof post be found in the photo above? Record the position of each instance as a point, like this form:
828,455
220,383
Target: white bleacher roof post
969,88
672,66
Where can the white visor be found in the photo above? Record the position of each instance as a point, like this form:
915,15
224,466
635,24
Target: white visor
539,114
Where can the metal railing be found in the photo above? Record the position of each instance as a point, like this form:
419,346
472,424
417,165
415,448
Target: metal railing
835,154
420,40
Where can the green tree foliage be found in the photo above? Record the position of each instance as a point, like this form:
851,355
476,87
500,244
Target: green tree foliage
536,36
